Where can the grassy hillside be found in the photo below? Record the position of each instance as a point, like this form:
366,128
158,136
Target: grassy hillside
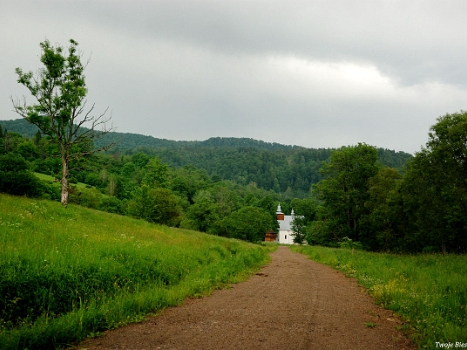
428,291
66,273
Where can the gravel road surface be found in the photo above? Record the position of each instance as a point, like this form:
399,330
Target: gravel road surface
292,303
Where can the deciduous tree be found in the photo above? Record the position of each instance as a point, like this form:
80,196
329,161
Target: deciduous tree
59,89
248,223
435,187
344,190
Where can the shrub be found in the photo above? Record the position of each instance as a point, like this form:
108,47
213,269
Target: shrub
16,178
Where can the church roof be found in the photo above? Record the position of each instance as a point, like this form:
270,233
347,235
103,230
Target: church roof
286,224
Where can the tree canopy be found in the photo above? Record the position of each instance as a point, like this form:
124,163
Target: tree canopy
59,112
344,190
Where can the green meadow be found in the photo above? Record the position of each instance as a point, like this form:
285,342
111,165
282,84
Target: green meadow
69,273
428,291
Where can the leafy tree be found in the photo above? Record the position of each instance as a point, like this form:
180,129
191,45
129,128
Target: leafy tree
226,198
250,200
434,189
248,223
385,212
298,229
140,159
16,178
203,214
128,170
86,197
28,150
155,173
269,205
159,205
112,205
344,191
305,207
59,112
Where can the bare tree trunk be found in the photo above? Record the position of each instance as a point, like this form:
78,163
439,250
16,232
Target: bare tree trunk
112,187
64,181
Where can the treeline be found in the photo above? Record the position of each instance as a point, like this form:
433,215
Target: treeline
139,185
361,197
240,202
288,170
362,203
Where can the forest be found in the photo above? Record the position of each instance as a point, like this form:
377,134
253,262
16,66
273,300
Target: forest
225,186
374,199
286,170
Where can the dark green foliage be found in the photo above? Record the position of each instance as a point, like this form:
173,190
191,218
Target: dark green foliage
248,223
148,188
12,162
298,229
203,213
20,126
306,207
289,170
92,179
112,205
344,191
28,150
435,189
422,210
159,205
382,226
419,208
86,197
15,177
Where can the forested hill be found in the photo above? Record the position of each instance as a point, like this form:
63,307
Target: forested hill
271,166
129,141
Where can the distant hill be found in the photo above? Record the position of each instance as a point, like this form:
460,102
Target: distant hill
270,166
129,141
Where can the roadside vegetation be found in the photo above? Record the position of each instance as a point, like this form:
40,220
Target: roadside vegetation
67,273
428,291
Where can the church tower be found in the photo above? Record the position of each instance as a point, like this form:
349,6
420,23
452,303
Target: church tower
279,214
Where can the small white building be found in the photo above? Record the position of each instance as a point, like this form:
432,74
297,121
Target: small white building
285,234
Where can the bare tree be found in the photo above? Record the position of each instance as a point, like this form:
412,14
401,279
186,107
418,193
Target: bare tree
60,109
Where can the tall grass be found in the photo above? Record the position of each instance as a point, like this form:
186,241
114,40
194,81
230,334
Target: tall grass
428,291
66,273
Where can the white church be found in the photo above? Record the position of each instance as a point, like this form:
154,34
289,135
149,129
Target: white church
285,234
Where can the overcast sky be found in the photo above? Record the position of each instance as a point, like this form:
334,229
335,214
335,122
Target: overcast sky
309,73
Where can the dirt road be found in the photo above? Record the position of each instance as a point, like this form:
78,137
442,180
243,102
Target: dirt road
292,303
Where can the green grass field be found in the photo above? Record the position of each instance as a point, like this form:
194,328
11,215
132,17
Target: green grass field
67,273
51,179
429,292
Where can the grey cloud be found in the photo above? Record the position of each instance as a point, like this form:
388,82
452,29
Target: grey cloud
271,70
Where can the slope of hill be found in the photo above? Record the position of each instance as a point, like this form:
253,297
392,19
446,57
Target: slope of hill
70,272
271,166
130,141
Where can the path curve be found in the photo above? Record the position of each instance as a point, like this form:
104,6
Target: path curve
292,303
